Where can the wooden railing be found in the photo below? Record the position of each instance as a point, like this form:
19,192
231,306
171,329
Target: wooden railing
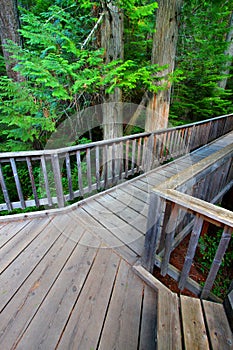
57,177
184,205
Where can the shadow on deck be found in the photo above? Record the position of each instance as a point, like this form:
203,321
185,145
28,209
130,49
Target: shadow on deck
68,281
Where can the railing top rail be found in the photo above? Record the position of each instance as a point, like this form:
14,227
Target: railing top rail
208,210
183,177
64,150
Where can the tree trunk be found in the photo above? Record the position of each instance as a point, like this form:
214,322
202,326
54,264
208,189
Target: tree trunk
163,53
9,25
112,42
228,52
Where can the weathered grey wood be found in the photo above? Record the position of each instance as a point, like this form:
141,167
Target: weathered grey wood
168,326
104,235
60,286
129,215
212,213
217,325
80,176
12,278
69,176
153,231
85,324
8,231
228,306
197,228
124,312
170,229
58,180
17,183
133,156
126,158
4,190
46,181
20,241
31,175
88,159
129,235
194,331
105,165
139,162
148,336
97,167
222,247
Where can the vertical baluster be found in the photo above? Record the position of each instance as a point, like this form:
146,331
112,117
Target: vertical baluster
58,180
153,232
126,158
139,154
69,176
170,233
88,159
80,177
29,165
46,181
17,183
144,148
223,244
197,228
114,162
4,190
105,165
97,167
133,156
121,159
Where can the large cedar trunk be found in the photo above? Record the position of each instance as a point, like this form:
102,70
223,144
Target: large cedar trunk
9,25
163,53
112,42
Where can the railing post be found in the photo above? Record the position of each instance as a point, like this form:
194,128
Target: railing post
58,180
153,232
197,228
225,239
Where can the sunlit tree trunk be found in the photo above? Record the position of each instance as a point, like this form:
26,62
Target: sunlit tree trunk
9,25
163,53
229,53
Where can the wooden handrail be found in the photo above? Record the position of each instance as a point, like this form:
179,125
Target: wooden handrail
172,209
97,165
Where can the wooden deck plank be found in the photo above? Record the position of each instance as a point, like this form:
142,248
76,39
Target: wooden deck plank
123,319
104,235
85,324
127,234
218,327
20,241
18,314
195,336
10,230
129,215
12,278
168,326
132,202
50,320
148,332
137,193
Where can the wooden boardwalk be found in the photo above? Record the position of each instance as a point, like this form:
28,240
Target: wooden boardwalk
66,278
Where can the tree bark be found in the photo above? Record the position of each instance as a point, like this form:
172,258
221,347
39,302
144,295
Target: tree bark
228,52
112,42
9,25
163,53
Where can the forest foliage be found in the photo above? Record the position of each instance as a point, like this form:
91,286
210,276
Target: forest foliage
61,76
